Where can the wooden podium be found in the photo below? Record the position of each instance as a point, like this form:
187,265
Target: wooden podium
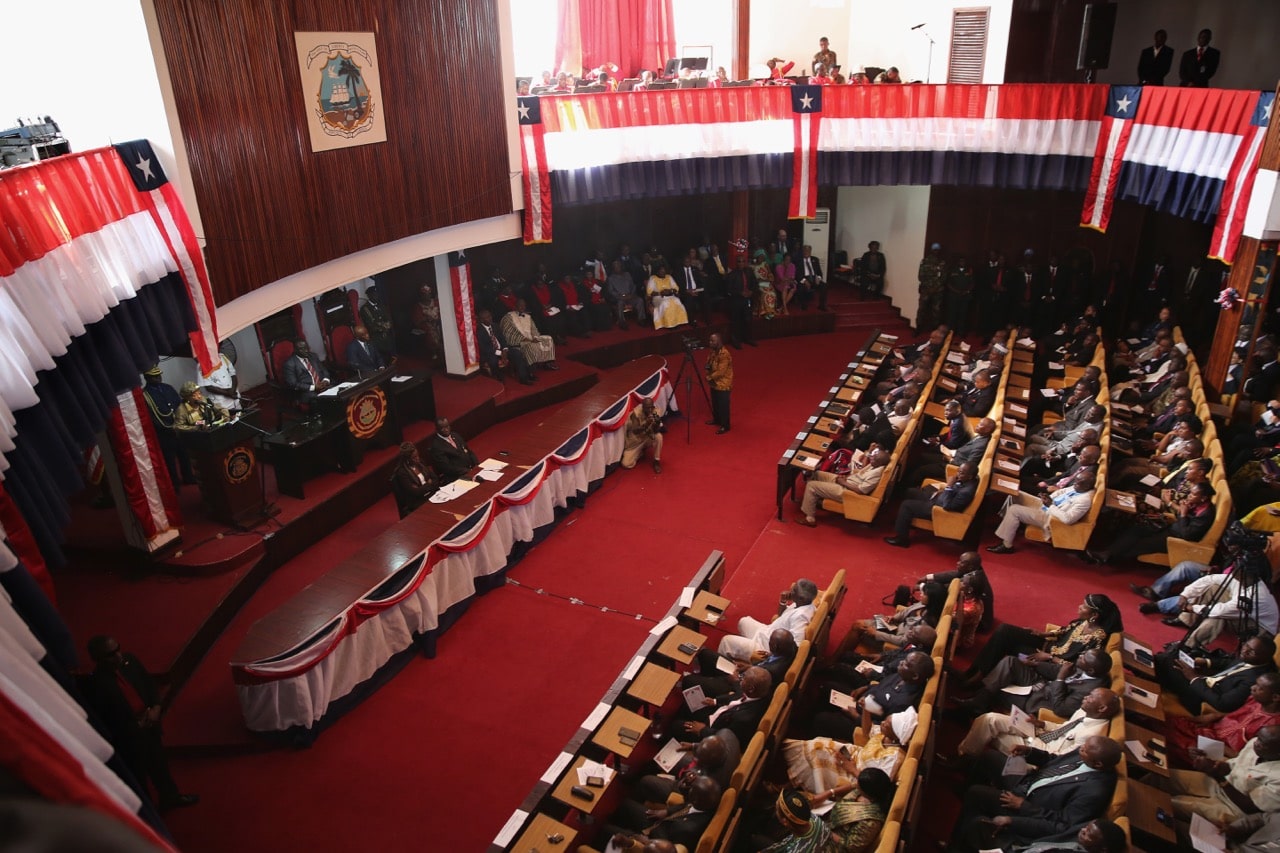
229,470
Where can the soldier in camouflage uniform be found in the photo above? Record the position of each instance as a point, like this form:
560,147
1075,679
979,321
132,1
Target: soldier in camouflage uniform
933,273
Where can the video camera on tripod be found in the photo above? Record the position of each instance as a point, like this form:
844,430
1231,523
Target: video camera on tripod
692,343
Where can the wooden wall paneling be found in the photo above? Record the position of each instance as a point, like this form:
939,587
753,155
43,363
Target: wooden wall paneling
1030,25
272,207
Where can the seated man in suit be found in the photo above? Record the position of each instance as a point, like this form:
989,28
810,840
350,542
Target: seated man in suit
898,690
716,756
1068,505
362,356
1217,680
971,451
828,486
956,495
1222,791
718,685
495,354
304,375
1049,468
1195,517
682,825
1062,695
795,610
1066,791
741,715
809,280
977,401
450,456
993,736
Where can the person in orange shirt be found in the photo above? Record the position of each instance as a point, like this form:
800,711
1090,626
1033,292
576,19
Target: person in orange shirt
720,375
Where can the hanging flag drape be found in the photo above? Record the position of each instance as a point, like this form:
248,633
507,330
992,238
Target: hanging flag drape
806,105
1113,141
1229,225
464,307
537,181
143,474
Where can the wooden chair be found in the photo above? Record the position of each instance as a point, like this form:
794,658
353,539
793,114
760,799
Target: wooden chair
792,674
710,839
750,764
906,782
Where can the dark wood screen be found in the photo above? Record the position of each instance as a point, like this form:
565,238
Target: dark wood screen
270,207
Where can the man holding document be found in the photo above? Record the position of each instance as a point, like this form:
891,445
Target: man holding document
993,736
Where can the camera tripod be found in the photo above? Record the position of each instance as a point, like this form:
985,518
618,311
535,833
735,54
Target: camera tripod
695,373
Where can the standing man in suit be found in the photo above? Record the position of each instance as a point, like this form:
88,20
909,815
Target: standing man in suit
450,456
1154,62
955,496
127,700
1200,63
495,354
740,285
1066,791
362,356
304,374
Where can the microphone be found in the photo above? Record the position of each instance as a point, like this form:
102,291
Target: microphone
918,26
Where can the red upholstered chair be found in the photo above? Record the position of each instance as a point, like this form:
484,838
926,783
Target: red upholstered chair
339,338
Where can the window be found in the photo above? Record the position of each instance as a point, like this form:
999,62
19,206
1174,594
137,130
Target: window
968,45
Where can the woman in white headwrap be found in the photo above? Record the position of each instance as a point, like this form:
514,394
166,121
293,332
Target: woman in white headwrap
822,764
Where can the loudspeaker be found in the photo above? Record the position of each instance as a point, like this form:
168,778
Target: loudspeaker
1095,36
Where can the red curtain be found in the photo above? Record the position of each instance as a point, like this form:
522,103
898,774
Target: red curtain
634,34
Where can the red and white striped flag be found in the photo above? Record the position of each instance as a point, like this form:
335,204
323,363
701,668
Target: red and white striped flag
159,198
464,307
1113,141
806,108
144,476
1229,225
537,178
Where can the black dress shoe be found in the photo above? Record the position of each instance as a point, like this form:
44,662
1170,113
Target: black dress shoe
1148,607
896,542
1000,548
1172,622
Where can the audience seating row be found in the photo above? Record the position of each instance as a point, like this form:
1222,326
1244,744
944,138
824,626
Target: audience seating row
856,507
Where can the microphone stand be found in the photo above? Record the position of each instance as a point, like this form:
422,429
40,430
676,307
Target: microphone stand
269,510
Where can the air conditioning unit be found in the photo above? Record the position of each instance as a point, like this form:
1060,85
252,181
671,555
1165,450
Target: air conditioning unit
817,233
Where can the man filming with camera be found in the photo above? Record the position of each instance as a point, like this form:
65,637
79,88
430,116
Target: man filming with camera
644,430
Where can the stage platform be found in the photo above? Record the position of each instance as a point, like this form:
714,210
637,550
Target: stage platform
176,606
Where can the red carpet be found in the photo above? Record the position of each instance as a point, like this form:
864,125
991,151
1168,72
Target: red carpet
439,757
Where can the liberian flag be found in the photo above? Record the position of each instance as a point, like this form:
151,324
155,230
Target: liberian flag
1113,142
537,180
806,105
160,199
1239,185
464,307
145,478
690,141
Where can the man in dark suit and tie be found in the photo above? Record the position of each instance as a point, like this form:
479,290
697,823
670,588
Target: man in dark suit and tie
715,683
809,279
1199,64
1066,791
1154,62
450,456
304,374
1219,682
494,351
742,715
362,356
955,496
680,824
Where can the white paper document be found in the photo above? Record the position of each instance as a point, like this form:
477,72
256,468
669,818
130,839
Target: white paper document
1149,480
663,627
725,665
669,756
1057,365
453,490
1153,501
401,378
595,768
492,464
800,436
552,311
686,596
489,476
1211,747
1022,721
694,698
843,701
1015,765
1017,689
557,767
1206,837
1048,392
